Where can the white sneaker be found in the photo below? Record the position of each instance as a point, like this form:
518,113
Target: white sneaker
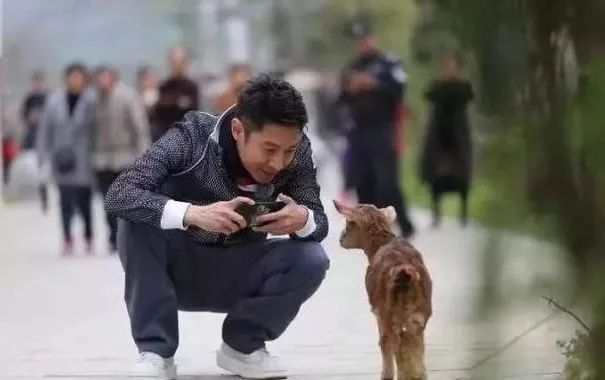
154,366
257,365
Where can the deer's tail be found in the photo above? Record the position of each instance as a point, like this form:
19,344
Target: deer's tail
400,279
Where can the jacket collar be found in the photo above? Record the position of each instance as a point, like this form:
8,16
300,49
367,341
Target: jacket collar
222,137
225,117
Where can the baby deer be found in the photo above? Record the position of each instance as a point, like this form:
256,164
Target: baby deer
398,286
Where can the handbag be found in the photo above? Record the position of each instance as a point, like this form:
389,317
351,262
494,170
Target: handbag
65,160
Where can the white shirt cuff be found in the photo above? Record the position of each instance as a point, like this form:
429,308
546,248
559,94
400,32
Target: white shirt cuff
173,215
309,227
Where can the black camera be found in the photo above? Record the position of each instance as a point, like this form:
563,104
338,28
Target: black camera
251,212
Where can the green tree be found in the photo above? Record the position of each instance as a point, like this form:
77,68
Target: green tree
540,69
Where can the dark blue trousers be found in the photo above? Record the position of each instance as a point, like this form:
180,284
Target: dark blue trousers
72,199
260,285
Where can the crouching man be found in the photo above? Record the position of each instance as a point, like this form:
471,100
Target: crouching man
176,237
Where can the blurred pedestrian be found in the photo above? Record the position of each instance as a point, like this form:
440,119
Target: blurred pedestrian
332,119
177,95
10,150
31,111
372,88
447,154
239,74
64,142
32,108
147,86
120,133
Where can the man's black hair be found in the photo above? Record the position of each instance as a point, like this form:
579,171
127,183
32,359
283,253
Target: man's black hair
75,67
266,99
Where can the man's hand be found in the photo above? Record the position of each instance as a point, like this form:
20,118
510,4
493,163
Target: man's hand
361,81
288,220
217,217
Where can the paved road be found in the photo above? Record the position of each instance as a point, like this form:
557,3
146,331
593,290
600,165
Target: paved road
65,319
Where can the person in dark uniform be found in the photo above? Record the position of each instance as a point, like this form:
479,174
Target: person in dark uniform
177,95
372,89
447,153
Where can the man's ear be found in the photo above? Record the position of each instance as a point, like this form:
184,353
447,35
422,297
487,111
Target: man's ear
237,129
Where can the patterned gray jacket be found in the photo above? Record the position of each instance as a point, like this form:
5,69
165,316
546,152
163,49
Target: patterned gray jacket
186,165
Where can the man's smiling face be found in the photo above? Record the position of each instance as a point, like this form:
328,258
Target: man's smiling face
267,151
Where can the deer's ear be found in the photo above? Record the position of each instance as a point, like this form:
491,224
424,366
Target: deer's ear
389,213
343,209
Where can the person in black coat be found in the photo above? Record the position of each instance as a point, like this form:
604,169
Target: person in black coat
447,154
177,94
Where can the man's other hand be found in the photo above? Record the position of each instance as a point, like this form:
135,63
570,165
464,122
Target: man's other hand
217,217
288,220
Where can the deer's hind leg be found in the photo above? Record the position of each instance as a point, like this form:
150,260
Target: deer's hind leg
387,349
409,355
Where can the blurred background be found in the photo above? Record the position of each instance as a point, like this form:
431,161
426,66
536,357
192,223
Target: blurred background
499,103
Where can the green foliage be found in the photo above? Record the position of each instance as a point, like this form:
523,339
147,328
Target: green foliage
578,365
539,66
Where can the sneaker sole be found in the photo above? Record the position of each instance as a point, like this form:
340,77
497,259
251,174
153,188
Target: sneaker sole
168,373
234,366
